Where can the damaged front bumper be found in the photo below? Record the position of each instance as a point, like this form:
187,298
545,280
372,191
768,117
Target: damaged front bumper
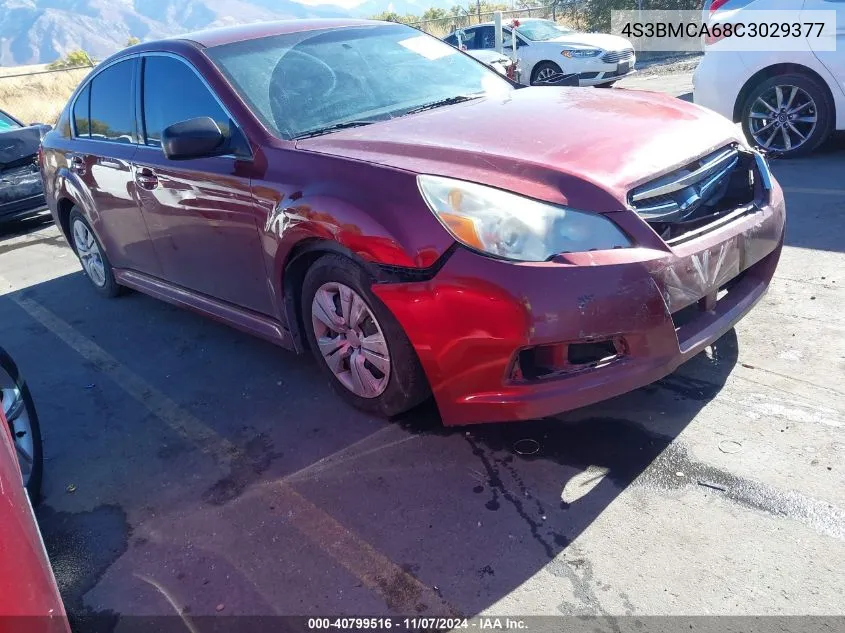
21,193
503,341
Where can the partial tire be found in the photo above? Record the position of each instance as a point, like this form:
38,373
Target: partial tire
19,411
92,256
357,342
609,84
789,115
544,70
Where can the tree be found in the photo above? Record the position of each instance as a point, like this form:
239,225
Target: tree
132,41
434,13
71,60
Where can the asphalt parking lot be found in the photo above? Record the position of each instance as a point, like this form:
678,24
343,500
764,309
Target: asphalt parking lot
191,469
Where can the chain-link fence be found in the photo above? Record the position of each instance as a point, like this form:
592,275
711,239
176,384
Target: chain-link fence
581,15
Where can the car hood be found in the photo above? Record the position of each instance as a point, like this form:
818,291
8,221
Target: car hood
601,40
578,146
18,146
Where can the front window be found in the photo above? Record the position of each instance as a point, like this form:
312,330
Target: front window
310,82
541,30
7,122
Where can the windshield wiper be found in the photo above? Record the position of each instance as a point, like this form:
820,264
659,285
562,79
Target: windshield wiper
444,102
332,128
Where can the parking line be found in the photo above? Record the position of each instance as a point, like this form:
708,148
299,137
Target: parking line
157,403
402,591
821,192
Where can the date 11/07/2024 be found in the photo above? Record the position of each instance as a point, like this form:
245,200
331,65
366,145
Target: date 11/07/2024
417,624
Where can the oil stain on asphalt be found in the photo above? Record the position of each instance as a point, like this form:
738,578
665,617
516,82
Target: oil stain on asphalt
81,547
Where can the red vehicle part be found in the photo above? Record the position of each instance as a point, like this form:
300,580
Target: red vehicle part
590,326
29,597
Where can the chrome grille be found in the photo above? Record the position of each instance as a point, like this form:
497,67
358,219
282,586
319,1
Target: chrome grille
612,57
700,192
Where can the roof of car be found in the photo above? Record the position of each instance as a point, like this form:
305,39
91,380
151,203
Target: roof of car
242,32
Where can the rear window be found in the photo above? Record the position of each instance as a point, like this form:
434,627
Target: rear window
7,122
112,98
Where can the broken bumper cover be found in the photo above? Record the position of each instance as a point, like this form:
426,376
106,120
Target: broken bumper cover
21,193
660,307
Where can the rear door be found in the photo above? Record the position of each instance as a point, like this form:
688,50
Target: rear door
105,140
202,217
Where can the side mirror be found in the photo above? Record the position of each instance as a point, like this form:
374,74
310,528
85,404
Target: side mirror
195,138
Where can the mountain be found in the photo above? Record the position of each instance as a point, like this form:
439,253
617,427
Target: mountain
40,31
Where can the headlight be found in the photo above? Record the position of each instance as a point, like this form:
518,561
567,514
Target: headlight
580,53
509,226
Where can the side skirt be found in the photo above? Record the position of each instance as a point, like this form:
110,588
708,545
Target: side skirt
239,318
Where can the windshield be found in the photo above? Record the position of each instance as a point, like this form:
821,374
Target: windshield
302,83
7,122
540,30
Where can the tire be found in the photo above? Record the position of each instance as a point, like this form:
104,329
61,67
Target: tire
609,84
9,380
102,279
544,68
812,100
403,385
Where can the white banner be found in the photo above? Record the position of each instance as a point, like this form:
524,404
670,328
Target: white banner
736,30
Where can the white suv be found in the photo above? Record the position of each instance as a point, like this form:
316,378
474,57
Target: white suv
788,102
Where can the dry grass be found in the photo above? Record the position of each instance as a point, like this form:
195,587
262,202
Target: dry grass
37,98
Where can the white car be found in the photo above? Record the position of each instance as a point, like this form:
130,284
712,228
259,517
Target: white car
545,49
788,102
497,61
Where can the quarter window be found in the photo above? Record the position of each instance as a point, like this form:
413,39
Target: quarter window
111,103
82,114
164,79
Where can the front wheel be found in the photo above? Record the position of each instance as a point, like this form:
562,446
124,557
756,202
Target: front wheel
19,411
357,342
545,71
609,84
788,115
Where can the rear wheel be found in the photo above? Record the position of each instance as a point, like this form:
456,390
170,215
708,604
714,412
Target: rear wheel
92,256
789,115
356,340
19,411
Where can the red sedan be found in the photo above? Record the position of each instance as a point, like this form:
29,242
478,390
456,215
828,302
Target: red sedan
27,586
419,222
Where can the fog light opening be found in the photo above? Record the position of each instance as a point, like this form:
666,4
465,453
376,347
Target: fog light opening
547,361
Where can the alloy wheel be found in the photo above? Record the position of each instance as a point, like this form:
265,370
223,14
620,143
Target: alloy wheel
350,340
89,253
14,410
545,73
783,118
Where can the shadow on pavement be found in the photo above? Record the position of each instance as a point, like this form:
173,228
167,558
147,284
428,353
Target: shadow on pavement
471,512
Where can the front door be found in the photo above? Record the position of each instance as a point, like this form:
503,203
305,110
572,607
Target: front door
201,214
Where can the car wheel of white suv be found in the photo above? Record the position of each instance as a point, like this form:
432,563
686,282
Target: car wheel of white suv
788,115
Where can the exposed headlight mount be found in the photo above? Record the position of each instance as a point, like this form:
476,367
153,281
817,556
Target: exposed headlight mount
510,226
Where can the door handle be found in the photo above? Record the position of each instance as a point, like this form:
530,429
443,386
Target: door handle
76,163
146,178
110,162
